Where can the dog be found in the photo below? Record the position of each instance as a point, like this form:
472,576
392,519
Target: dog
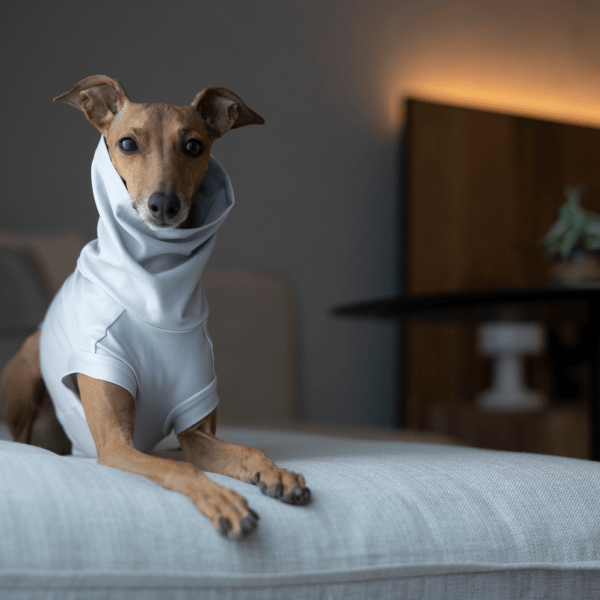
134,312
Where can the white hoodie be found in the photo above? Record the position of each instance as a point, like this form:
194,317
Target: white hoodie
134,313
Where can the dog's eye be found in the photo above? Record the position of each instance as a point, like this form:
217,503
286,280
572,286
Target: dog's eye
128,144
193,147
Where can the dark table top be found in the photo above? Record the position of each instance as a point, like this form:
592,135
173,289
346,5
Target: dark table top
479,304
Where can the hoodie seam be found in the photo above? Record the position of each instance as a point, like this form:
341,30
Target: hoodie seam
135,375
187,330
212,353
106,330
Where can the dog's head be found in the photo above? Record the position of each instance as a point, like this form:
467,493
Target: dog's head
160,151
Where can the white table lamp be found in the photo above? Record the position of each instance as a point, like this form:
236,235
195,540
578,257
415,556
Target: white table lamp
508,342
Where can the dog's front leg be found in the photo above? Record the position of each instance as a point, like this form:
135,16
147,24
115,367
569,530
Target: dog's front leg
204,450
110,414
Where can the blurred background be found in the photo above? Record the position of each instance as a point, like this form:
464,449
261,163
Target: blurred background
321,187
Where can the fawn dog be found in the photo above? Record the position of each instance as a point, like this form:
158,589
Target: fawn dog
160,196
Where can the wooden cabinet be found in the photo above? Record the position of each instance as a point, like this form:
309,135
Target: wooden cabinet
558,430
480,191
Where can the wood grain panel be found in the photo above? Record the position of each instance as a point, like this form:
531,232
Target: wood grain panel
482,190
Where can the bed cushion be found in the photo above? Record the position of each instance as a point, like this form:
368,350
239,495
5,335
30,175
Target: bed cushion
388,520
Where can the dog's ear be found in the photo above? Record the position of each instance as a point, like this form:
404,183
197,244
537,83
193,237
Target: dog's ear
99,97
222,110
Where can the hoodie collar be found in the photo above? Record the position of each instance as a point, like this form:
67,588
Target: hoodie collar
154,274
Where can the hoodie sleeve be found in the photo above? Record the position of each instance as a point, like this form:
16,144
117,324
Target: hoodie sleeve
99,366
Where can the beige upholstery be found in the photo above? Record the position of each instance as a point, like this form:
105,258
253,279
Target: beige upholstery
251,322
51,257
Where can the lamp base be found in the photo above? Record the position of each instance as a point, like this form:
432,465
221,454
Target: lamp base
508,342
520,400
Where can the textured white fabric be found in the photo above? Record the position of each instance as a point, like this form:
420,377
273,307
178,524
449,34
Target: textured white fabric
388,520
134,313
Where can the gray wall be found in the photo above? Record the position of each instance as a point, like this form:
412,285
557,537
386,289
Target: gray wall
317,186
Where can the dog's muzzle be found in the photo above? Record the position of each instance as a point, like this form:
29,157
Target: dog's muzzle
164,208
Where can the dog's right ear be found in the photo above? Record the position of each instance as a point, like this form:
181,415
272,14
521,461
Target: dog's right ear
99,97
222,110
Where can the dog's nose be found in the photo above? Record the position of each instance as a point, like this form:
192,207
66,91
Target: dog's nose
164,207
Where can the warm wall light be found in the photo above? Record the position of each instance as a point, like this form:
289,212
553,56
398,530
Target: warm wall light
497,98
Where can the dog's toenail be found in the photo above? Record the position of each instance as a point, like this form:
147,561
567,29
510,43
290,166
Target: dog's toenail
224,526
289,498
253,514
248,523
257,478
275,492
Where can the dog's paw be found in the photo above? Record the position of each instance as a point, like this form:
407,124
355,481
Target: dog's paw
244,526
287,486
228,511
297,495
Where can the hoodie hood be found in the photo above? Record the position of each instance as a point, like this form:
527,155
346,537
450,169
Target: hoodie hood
153,274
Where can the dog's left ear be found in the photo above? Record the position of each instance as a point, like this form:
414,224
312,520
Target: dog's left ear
222,110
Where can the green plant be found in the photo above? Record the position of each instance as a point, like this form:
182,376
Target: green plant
576,228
